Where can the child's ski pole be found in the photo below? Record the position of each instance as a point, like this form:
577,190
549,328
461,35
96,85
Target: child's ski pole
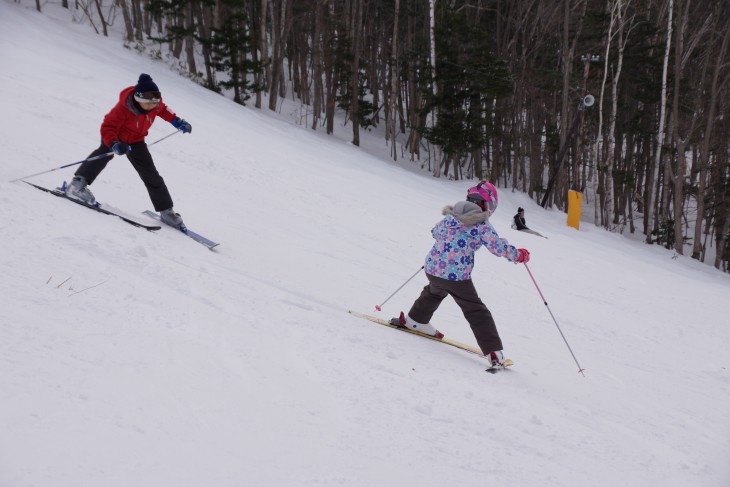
580,369
379,307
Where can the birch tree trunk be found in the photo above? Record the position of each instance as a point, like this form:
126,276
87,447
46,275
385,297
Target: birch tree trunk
682,134
101,18
262,78
598,179
722,232
356,37
330,61
622,38
277,12
676,179
127,19
204,23
394,83
704,159
436,171
190,41
654,175
317,56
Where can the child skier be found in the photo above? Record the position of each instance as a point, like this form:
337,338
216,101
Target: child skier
122,132
463,230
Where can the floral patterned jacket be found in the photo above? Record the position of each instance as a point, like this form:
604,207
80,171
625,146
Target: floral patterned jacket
464,229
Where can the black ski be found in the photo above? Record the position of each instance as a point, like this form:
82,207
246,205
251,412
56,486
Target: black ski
61,194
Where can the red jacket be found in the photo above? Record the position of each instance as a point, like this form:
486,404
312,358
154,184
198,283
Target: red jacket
127,123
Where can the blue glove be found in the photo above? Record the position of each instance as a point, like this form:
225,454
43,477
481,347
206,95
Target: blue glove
120,148
182,125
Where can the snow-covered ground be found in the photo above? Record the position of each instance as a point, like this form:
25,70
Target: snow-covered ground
131,358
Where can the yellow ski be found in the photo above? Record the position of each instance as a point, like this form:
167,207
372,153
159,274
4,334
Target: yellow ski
447,341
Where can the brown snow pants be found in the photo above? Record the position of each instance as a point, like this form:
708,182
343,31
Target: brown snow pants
465,294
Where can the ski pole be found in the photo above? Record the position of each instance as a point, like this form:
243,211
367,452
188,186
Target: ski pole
165,137
85,160
379,308
580,369
61,167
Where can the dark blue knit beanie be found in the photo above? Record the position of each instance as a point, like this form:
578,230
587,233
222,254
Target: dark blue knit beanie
145,84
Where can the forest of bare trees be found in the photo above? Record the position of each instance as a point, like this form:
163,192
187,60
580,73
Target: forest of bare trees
490,89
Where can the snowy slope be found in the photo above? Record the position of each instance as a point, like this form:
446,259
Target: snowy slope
137,358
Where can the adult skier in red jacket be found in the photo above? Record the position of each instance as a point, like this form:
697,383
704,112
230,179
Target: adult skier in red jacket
123,132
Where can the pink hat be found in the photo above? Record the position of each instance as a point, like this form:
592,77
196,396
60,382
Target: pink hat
484,194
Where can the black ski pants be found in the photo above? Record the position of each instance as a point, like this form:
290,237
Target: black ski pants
142,162
465,294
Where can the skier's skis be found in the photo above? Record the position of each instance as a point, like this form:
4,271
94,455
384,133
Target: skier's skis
527,230
61,194
198,238
447,341
496,368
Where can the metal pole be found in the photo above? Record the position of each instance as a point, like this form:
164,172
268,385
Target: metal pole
62,167
163,138
85,160
580,369
379,307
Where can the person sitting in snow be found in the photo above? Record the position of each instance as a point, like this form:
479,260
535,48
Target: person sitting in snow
123,132
520,223
463,230
519,219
